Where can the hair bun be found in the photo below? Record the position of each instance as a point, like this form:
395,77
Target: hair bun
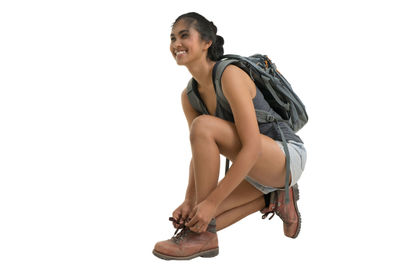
219,41
216,51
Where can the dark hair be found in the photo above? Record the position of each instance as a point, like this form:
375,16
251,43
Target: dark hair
207,31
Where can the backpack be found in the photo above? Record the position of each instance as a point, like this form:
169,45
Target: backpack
276,90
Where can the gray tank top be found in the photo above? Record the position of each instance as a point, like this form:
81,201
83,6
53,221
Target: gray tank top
269,129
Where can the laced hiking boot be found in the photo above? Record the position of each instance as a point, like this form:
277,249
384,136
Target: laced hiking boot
289,213
187,244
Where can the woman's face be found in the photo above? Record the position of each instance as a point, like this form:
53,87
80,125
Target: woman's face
186,44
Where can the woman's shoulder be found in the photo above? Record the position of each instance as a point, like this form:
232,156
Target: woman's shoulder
232,71
235,79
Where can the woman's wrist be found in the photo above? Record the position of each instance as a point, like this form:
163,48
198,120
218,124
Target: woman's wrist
190,200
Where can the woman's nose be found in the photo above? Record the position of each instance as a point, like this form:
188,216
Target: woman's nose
177,46
177,43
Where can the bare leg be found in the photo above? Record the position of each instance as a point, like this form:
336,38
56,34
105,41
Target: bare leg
211,136
206,161
243,201
236,214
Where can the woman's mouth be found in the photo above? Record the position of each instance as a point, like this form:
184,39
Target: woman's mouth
179,53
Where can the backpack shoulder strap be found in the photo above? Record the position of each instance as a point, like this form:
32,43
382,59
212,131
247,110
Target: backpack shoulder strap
193,98
217,76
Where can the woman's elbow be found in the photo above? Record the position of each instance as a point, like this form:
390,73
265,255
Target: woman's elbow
258,151
254,148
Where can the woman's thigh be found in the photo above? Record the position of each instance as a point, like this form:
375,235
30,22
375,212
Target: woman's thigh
269,168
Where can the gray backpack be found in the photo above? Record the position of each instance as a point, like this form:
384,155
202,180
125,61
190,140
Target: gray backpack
276,90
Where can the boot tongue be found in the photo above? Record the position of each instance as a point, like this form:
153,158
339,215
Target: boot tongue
179,236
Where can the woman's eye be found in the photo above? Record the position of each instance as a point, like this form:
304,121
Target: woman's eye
182,36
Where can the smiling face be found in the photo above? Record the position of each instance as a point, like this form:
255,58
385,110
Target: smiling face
186,44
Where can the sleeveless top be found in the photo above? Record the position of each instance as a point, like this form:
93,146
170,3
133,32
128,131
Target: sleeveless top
269,129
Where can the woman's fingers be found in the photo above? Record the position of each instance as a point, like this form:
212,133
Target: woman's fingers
176,214
192,221
191,216
197,228
184,216
195,224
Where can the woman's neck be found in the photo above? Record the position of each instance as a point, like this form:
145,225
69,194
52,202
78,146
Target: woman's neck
202,73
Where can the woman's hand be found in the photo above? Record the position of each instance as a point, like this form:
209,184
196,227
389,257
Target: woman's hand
201,216
182,212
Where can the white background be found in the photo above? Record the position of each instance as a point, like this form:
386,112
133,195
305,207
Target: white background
94,146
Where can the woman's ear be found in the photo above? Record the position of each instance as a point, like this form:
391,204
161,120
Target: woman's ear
208,44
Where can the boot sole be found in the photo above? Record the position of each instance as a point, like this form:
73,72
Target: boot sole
205,254
296,197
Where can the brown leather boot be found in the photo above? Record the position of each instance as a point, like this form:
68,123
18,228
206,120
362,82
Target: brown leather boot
187,244
289,213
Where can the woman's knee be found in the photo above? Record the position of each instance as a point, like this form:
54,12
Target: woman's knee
200,128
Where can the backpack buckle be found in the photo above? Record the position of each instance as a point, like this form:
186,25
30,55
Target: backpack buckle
270,118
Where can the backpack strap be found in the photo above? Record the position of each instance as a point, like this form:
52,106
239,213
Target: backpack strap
217,76
285,148
194,99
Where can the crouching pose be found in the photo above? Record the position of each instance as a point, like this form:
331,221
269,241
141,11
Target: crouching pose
256,179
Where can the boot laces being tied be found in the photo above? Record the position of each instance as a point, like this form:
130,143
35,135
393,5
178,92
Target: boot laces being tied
184,230
187,244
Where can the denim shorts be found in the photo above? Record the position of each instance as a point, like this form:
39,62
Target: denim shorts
298,158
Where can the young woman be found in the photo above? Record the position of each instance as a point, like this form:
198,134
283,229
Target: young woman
256,151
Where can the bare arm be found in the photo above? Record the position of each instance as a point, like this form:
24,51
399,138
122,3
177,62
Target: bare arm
236,85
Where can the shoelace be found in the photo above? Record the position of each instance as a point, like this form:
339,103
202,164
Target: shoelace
273,211
276,207
182,227
266,214
272,206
